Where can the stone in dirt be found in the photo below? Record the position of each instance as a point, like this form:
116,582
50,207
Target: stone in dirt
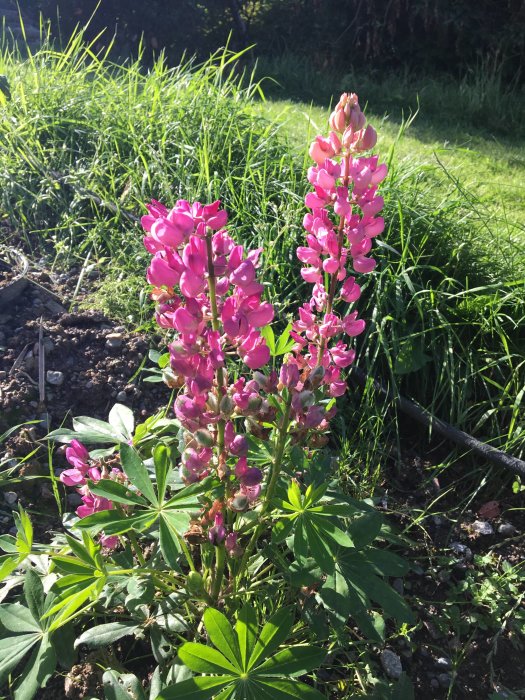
507,530
481,527
391,664
10,497
55,378
114,341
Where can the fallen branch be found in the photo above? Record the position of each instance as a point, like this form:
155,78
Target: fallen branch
411,408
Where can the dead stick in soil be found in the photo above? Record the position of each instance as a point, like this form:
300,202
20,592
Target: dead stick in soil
411,408
41,364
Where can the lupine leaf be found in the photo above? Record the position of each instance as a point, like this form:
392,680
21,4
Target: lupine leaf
292,661
365,529
246,630
104,635
273,634
286,689
121,418
137,473
38,670
116,492
200,688
169,543
122,686
17,618
203,659
334,595
13,650
222,636
161,460
34,594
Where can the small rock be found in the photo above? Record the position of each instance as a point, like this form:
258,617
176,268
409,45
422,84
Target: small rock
3,376
391,664
10,497
55,378
434,683
114,341
120,329
89,385
121,396
507,530
444,680
482,527
58,471
443,663
462,550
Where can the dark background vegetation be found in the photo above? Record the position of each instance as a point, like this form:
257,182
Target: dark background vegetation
423,35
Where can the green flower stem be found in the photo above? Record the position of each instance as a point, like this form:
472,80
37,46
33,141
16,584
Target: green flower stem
136,548
216,326
186,552
333,277
272,484
220,560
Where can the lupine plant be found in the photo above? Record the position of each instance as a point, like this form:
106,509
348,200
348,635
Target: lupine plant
217,535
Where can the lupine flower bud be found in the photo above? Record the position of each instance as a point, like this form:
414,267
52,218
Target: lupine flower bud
226,406
204,437
217,533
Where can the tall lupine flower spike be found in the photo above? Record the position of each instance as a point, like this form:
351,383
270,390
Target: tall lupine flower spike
339,230
207,292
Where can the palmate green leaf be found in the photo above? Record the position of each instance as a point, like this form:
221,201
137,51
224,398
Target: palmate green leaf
293,661
334,596
365,529
34,595
203,659
358,604
83,550
225,694
161,460
268,334
284,343
169,542
104,635
273,634
222,636
386,563
121,418
86,424
285,689
116,492
114,524
8,563
18,619
329,531
12,651
71,565
321,548
361,575
246,631
137,473
72,602
87,435
122,686
38,670
200,688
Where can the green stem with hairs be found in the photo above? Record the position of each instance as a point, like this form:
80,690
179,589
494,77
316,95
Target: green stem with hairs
220,560
216,326
272,484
